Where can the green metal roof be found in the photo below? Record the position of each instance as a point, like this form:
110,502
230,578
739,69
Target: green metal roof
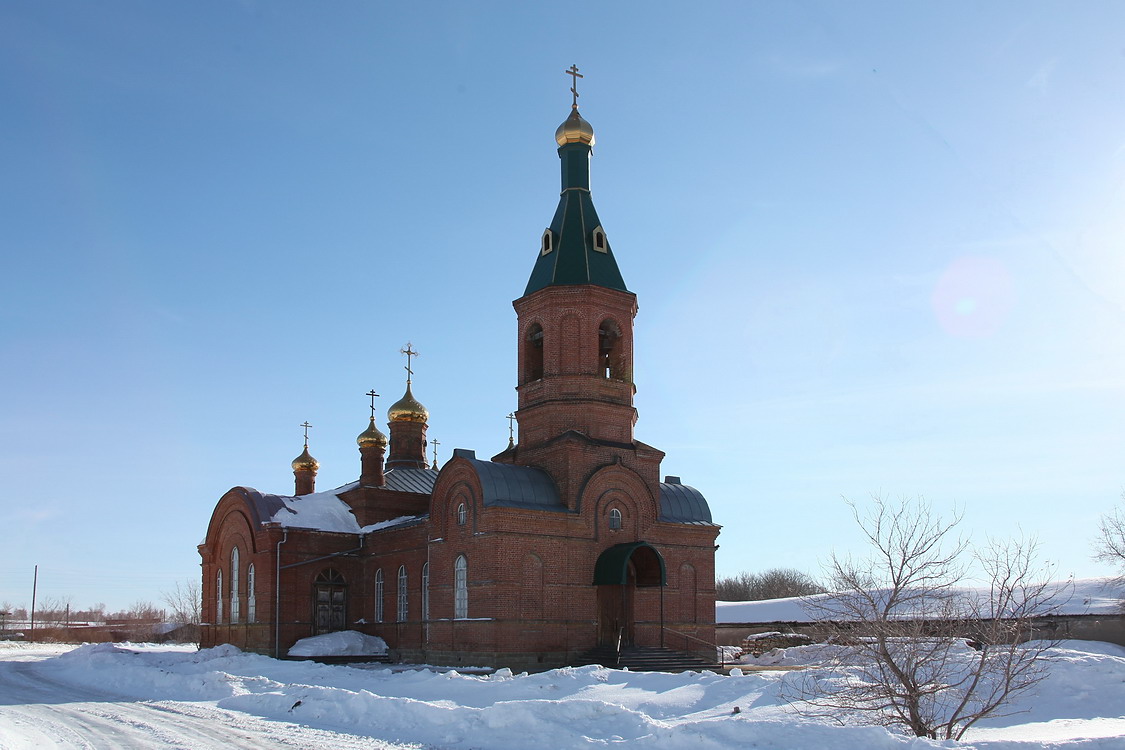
573,258
613,565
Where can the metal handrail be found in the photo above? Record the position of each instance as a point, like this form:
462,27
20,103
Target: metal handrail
718,650
620,638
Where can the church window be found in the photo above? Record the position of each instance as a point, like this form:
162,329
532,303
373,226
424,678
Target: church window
219,597
609,350
330,600
461,588
379,595
425,591
599,241
234,608
534,352
251,595
402,598
615,519
547,245
462,514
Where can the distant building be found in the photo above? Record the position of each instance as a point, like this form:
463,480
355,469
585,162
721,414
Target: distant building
565,541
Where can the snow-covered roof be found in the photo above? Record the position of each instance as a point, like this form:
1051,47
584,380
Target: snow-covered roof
325,511
1089,596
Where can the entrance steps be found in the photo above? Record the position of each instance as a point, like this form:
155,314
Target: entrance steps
645,659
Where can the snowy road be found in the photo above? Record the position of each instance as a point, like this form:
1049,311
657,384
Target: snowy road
37,711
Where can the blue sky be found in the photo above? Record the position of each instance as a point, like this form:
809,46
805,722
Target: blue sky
877,248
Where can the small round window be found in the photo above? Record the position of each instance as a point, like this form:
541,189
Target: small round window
615,519
462,514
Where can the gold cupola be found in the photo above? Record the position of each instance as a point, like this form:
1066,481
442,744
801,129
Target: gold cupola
408,409
305,461
371,437
575,130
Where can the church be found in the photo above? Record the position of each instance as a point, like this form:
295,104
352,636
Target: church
566,542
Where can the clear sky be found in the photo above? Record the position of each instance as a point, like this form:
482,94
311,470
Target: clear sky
878,247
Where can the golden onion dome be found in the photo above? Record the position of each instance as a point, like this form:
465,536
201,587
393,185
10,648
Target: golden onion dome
407,409
575,130
371,437
305,461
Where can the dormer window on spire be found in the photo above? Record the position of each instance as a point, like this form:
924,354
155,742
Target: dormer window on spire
600,244
547,243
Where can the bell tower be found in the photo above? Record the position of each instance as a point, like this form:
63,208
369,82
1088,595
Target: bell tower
575,318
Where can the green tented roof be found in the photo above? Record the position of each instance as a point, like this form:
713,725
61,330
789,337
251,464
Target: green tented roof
573,259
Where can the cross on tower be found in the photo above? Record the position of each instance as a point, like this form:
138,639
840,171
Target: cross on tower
575,75
306,425
410,353
511,430
435,443
373,396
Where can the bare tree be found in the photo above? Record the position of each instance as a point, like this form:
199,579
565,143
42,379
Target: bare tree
912,648
1109,547
775,583
185,604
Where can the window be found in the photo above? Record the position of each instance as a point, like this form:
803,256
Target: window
402,600
460,588
462,514
599,241
534,352
251,596
609,351
546,244
234,608
219,597
615,519
425,591
379,595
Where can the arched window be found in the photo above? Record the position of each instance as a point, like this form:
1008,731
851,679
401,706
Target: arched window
534,352
402,600
545,245
425,591
615,519
462,514
219,597
251,595
234,608
330,597
461,588
609,351
379,595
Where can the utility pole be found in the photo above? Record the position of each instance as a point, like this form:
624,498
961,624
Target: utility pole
34,588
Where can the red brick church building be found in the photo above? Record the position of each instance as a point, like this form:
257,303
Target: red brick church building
565,541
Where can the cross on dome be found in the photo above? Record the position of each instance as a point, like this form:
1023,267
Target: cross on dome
575,75
410,353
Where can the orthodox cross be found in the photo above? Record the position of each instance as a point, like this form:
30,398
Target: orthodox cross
409,352
574,74
373,396
511,430
306,425
435,443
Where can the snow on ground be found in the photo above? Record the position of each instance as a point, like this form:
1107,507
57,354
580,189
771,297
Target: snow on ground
1080,705
1084,596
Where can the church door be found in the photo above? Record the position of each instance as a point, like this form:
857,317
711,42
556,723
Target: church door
330,601
615,611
